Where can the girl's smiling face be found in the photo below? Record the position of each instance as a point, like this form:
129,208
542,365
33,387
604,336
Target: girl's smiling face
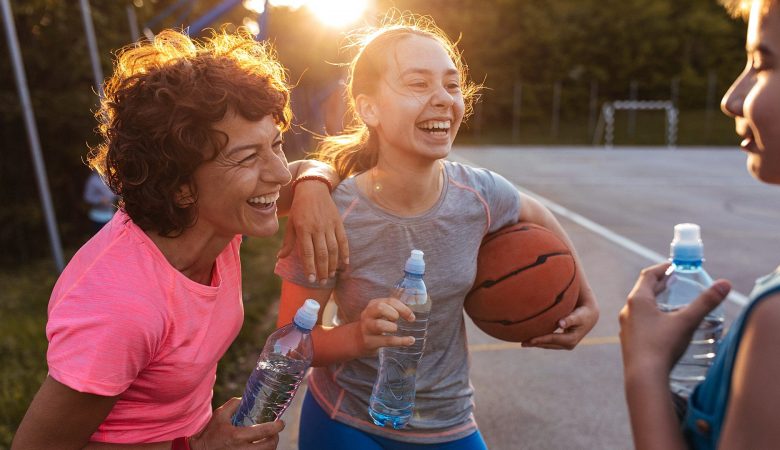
418,106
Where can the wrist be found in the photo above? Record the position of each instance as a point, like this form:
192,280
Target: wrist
646,373
318,178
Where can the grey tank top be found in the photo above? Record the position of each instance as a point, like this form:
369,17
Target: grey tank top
473,203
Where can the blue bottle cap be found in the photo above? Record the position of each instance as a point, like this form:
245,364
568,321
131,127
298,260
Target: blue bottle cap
306,317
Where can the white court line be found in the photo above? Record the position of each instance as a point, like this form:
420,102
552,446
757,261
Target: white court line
634,247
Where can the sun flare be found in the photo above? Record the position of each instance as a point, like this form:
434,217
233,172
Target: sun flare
337,13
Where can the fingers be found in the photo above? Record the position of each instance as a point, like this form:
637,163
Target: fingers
266,433
288,242
333,254
341,237
557,341
651,281
321,256
306,252
379,319
228,408
577,318
390,309
706,302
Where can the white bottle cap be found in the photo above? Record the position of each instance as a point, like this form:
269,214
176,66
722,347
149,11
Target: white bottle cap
306,317
415,264
687,244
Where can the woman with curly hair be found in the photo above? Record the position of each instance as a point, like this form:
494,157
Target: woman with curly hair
144,311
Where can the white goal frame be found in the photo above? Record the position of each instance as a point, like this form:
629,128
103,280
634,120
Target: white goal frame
606,123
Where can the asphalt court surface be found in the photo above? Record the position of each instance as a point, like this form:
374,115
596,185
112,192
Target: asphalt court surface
619,207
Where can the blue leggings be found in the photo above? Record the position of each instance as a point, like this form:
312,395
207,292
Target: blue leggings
320,432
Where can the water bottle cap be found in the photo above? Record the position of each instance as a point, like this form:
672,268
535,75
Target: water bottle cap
415,264
306,317
687,244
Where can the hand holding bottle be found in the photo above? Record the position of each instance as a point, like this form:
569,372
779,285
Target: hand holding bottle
221,434
653,340
377,321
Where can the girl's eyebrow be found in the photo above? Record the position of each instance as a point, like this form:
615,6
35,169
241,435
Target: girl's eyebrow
423,71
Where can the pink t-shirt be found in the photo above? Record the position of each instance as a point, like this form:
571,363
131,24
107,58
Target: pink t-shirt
123,321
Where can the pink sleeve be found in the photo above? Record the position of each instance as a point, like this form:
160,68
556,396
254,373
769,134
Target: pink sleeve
99,343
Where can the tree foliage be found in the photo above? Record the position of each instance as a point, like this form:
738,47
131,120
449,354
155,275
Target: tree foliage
533,42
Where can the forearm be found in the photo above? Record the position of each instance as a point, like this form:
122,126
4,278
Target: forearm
302,168
336,344
653,420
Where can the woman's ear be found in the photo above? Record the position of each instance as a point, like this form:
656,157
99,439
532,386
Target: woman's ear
367,109
184,196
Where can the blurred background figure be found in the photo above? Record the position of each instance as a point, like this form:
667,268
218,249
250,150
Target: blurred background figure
101,201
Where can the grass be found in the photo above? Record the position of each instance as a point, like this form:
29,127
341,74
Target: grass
23,320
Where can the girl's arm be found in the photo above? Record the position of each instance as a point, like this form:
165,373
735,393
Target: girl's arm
314,222
351,340
751,417
651,342
584,317
62,418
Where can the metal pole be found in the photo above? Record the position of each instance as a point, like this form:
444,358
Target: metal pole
712,84
593,105
263,22
516,109
89,32
32,135
556,109
632,95
132,21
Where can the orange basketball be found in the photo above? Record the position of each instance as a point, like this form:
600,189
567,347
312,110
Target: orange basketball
526,282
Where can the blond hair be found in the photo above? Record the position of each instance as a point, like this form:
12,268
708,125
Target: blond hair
356,149
741,8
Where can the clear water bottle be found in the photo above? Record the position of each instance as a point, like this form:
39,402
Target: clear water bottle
280,368
686,280
392,399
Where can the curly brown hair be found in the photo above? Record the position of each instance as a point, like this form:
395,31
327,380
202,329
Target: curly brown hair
157,115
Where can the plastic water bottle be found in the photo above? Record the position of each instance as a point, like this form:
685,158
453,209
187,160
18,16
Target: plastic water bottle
282,364
392,399
686,280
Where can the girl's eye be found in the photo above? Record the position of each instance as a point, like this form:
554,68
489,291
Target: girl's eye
418,84
453,86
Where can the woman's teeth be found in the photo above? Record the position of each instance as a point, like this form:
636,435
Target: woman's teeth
264,200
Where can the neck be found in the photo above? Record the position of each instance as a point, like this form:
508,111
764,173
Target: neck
403,189
191,253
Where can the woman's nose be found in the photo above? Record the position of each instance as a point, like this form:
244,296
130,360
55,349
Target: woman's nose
733,101
277,171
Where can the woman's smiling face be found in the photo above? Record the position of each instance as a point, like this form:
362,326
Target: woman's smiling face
238,189
754,97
